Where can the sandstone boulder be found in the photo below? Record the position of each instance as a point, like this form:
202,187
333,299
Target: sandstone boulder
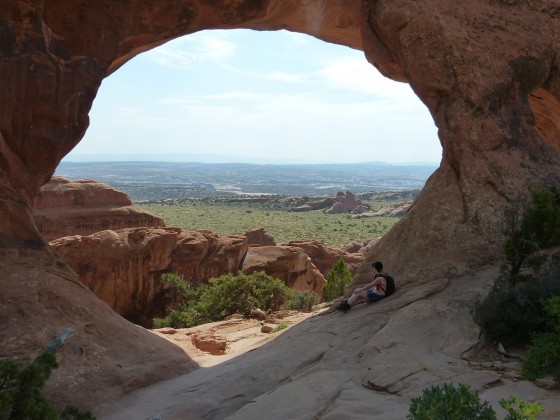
82,207
123,268
324,257
286,263
260,237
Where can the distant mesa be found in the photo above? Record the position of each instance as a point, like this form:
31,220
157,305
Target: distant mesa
83,207
342,202
393,210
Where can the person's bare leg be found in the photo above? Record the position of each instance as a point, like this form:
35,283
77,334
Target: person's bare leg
357,297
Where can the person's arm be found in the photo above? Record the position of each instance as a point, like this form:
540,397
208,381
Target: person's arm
368,286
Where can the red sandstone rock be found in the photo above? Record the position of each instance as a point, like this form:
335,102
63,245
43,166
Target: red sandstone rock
286,263
473,63
340,203
210,343
259,237
324,257
82,207
123,268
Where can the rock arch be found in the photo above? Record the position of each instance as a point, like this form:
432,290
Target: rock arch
474,66
488,70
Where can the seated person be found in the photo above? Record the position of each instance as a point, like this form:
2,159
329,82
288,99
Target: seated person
373,291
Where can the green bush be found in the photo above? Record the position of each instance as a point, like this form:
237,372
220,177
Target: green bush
448,402
337,280
224,296
303,300
279,327
21,391
543,355
538,229
518,409
512,314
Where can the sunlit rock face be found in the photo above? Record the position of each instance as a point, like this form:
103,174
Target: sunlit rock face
287,263
83,207
123,267
473,63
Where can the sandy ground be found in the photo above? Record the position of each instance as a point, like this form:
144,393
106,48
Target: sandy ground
214,343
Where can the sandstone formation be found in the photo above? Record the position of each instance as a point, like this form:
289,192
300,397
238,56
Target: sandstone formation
123,268
393,210
82,207
488,71
286,263
340,203
324,257
259,237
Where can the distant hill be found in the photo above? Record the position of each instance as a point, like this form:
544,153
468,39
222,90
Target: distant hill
144,181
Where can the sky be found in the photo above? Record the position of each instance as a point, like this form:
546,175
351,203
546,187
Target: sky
256,97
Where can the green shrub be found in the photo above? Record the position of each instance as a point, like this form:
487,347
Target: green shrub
538,229
279,327
450,402
518,409
512,314
543,355
303,300
224,296
337,280
21,391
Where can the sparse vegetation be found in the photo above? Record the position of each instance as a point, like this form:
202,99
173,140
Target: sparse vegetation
303,300
448,401
235,216
538,228
524,306
21,394
223,296
279,327
543,356
337,280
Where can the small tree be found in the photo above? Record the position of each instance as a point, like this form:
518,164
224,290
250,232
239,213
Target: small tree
543,356
538,229
21,395
337,280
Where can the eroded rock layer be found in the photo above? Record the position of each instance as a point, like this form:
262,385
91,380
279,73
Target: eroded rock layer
473,63
123,268
82,207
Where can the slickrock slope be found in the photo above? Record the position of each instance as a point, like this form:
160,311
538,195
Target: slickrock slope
473,63
105,357
367,363
123,268
82,207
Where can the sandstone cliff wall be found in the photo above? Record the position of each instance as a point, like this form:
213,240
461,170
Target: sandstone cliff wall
82,207
123,268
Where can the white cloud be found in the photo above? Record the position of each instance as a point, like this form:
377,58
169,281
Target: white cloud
187,52
361,76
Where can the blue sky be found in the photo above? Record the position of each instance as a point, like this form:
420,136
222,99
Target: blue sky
259,97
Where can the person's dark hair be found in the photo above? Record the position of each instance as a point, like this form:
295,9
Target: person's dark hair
377,265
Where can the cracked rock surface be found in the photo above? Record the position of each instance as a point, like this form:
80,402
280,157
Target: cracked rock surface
368,362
